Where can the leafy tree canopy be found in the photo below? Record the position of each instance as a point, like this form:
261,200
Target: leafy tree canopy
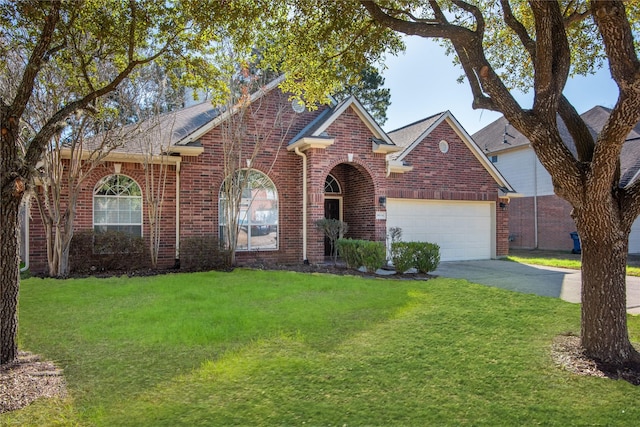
370,90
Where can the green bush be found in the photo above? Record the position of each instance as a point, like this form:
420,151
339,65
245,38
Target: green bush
402,256
347,248
372,254
109,251
202,253
362,253
422,256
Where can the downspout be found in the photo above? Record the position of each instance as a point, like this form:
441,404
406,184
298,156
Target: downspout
25,226
177,260
535,201
304,204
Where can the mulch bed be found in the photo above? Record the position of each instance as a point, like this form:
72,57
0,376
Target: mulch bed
28,379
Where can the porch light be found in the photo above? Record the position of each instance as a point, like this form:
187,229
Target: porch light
503,206
382,201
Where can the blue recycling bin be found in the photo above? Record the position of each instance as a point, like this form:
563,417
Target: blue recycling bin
576,243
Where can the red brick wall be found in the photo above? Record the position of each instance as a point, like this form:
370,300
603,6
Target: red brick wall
454,175
362,181
554,223
202,177
84,215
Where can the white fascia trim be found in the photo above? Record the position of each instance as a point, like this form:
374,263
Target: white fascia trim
186,150
469,142
126,157
477,152
353,102
424,134
306,143
395,166
384,148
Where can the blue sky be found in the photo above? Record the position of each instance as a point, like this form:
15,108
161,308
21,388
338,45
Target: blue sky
423,82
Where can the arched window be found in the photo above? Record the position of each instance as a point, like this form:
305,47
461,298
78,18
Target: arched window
117,205
331,185
257,210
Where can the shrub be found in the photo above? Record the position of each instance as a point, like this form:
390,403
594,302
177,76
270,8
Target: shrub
402,256
422,256
347,248
372,254
359,253
201,253
108,251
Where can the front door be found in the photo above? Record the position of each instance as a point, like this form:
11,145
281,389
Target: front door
331,211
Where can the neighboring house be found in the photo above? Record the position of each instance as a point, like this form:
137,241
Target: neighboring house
428,178
540,219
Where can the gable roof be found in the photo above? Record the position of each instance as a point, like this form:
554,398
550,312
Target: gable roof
408,134
493,136
412,135
317,128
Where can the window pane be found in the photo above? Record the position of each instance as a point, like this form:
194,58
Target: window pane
263,237
100,217
117,205
258,218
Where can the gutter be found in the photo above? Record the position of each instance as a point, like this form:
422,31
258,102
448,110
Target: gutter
25,225
177,260
304,204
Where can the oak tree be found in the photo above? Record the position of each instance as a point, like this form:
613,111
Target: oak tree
504,45
95,45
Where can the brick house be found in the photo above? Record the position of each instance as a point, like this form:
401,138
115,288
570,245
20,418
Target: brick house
429,178
540,219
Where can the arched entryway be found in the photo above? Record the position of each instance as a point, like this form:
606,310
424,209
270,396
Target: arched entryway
349,196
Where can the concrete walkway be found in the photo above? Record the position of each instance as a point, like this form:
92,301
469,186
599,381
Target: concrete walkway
532,279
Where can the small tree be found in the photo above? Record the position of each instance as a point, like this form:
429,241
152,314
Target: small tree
333,229
69,160
154,143
394,235
244,135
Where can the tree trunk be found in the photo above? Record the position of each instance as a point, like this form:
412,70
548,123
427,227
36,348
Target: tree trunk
9,278
604,244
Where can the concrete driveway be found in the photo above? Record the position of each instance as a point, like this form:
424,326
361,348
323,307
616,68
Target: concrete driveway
532,279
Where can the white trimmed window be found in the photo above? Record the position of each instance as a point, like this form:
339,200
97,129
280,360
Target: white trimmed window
117,205
258,211
331,185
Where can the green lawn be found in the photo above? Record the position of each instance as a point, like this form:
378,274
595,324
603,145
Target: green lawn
558,259
281,348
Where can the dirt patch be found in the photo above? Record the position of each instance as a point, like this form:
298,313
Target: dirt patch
28,379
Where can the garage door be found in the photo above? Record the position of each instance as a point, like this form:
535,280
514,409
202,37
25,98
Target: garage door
463,230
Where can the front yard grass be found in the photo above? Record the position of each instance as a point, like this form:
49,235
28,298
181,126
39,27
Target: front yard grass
564,260
282,348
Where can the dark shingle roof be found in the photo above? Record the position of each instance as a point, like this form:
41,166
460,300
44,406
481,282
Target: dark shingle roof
491,140
157,134
408,134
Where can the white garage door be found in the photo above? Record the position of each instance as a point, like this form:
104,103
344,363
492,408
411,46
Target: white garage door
463,230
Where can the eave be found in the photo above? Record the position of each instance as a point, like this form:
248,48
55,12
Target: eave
308,142
126,157
186,150
381,147
397,166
